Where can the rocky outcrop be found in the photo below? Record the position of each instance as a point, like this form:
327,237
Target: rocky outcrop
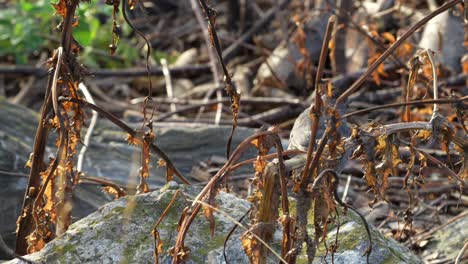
120,232
447,242
108,156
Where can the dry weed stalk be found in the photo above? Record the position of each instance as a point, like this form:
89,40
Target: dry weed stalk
46,210
315,161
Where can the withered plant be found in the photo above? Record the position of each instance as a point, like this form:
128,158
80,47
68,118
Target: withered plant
315,187
47,204
311,174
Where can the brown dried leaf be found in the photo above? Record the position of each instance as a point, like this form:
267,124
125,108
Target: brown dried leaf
321,212
370,175
61,8
161,163
29,162
380,69
208,210
405,50
251,246
158,246
131,140
112,191
388,36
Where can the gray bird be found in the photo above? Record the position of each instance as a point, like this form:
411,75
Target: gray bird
300,133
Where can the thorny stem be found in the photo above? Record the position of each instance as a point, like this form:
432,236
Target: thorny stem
211,55
155,231
26,218
235,156
230,88
24,224
67,37
286,243
407,90
63,145
323,54
314,112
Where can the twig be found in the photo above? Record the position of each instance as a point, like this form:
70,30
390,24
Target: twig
89,132
25,220
251,100
211,55
415,125
54,82
345,192
427,234
230,51
344,204
338,55
314,112
105,182
244,227
167,78
62,147
419,102
176,72
155,231
434,79
460,254
436,161
360,29
231,232
356,85
230,88
132,133
26,89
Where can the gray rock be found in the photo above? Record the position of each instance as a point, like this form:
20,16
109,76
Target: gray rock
444,34
111,156
352,241
108,156
448,241
120,232
284,58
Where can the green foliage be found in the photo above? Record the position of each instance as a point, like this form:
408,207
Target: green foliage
22,26
28,27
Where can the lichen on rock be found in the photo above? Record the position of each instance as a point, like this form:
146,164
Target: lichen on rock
120,232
